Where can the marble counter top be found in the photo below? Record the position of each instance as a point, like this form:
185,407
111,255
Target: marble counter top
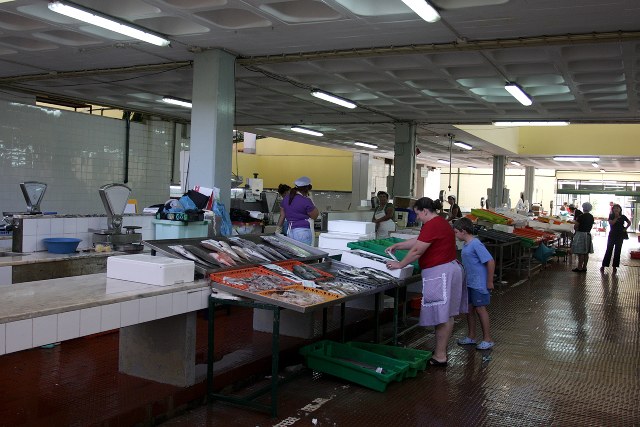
46,297
39,257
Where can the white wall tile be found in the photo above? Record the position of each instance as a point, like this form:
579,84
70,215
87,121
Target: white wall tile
82,225
194,300
2,338
68,325
163,306
45,330
70,225
30,243
129,313
6,275
109,317
43,227
179,302
19,335
89,321
204,297
57,226
29,227
147,309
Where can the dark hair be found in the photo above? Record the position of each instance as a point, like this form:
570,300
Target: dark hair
383,193
458,211
295,190
614,205
428,204
283,188
464,224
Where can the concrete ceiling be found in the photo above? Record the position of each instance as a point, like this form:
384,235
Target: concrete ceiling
578,59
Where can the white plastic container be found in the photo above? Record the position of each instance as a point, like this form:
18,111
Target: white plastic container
353,258
503,227
166,229
351,227
340,240
152,270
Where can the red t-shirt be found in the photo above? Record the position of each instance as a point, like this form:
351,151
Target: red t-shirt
439,233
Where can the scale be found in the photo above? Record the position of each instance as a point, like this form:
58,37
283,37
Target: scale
114,198
33,193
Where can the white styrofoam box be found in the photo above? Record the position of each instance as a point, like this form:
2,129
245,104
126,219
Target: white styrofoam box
405,235
340,240
149,269
539,225
503,227
353,258
351,227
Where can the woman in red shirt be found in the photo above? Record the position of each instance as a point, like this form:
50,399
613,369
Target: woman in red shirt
443,292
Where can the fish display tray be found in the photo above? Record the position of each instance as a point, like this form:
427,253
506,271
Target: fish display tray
326,284
243,273
353,364
326,296
289,264
417,359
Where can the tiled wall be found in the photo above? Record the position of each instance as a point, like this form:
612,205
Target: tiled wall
77,153
34,230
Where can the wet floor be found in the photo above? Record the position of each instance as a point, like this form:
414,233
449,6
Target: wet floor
567,353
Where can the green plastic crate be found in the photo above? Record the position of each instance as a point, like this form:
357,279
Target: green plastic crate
353,364
417,359
378,246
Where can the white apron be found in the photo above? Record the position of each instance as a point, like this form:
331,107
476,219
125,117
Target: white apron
384,227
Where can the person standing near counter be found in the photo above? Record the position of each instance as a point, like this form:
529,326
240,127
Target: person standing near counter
454,210
443,292
581,244
383,216
617,234
297,208
283,190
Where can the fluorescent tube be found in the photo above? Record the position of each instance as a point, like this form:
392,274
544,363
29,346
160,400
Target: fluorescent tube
445,162
462,145
595,165
306,130
504,124
176,101
513,162
364,144
518,93
576,159
334,99
93,17
602,170
423,9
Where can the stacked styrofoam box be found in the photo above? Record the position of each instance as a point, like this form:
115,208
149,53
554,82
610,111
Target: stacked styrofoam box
342,232
503,227
380,263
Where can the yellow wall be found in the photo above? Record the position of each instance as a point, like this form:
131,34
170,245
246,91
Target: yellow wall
597,139
506,137
278,161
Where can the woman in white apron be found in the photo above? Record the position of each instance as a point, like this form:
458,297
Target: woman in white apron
383,216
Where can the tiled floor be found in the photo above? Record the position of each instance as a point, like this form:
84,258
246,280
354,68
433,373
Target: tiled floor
567,353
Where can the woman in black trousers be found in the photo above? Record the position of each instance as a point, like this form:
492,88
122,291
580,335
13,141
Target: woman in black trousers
617,234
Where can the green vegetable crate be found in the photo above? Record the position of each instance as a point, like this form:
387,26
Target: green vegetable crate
378,247
353,364
417,359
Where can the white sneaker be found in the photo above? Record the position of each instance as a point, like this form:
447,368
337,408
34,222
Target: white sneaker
485,345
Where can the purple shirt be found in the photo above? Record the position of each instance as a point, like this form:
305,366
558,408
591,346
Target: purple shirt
297,213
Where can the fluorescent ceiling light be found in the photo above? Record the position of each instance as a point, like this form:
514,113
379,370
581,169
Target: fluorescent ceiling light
513,162
423,9
518,93
332,98
504,124
93,17
364,144
445,162
594,164
576,159
177,101
602,170
306,130
471,167
462,145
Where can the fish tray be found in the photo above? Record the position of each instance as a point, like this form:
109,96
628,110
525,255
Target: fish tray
417,359
326,296
289,264
353,364
243,273
363,287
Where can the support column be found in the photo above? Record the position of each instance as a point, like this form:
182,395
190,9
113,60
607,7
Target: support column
529,178
212,117
359,179
404,160
497,182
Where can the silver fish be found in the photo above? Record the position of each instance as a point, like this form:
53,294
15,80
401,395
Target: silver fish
256,255
272,251
183,252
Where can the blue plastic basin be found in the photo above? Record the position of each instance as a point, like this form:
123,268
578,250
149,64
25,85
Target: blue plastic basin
61,245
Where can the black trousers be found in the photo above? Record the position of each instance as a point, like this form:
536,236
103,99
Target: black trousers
614,246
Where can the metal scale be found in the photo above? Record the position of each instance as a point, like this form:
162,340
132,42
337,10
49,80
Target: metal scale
114,198
33,193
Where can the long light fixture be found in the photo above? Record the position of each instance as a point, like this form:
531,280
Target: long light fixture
576,159
518,93
364,144
602,170
334,99
506,124
462,145
306,130
444,162
177,101
423,9
595,165
93,17
514,163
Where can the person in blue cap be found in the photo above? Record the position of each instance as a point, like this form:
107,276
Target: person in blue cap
297,208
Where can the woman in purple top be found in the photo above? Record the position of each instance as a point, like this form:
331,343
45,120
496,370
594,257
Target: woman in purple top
297,208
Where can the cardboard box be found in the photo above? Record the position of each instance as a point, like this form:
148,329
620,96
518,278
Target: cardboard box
351,227
353,258
404,202
152,270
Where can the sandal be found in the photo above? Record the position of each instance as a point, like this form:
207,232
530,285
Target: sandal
434,362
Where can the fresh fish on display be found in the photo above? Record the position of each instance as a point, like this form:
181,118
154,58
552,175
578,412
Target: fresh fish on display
297,297
306,273
257,255
243,254
202,254
367,275
289,247
257,282
221,247
342,287
183,252
223,259
272,251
